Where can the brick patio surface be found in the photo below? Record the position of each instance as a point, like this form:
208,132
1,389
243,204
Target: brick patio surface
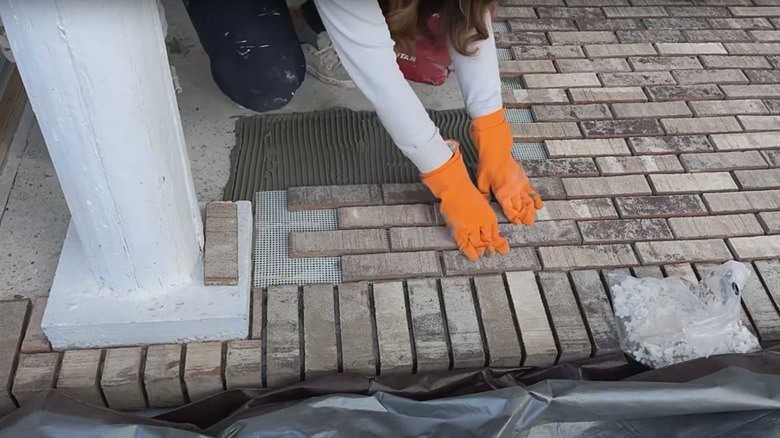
661,120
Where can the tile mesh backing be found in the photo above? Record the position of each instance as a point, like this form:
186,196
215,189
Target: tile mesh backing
500,26
504,54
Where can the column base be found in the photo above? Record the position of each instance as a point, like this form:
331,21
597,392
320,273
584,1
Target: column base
81,313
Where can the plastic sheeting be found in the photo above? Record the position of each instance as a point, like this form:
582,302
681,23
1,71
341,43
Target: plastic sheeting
726,396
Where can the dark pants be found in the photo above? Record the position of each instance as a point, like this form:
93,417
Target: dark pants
256,58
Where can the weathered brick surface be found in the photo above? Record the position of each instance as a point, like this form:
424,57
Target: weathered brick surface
503,12
549,188
464,332
758,179
393,194
546,52
760,123
243,364
748,140
676,23
11,334
627,230
763,76
601,65
639,164
652,36
519,68
324,197
608,95
612,24
770,220
507,40
220,254
383,216
621,128
563,12
721,76
756,248
660,206
541,233
637,79
319,331
606,186
769,270
122,381
430,338
718,61
79,376
701,125
561,80
648,272
619,50
561,167
683,270
203,370
564,113
692,182
596,311
728,107
390,266
421,239
718,35
163,377
580,209
540,24
740,23
35,340
535,329
283,357
530,132
772,157
667,145
587,257
357,340
715,226
336,243
586,147
635,12
570,330
665,63
592,37
708,162
663,93
526,98
697,11
651,109
743,201
503,345
392,329
757,91
517,259
678,251
35,374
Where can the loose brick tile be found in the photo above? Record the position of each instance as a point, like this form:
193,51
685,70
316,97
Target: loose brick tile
510,39
570,329
766,35
682,270
724,76
535,330
661,206
752,202
592,65
663,93
691,48
740,23
203,370
243,365
619,50
325,197
594,37
608,95
701,125
503,12
79,376
579,209
283,353
770,221
517,259
393,194
392,329
665,63
753,11
586,148
546,52
561,80
549,188
162,376
679,251
676,23
430,338
715,226
692,182
540,24
336,243
357,340
390,266
717,35
587,257
257,328
35,340
541,233
758,179
772,157
573,13
596,311
561,167
728,107
220,255
756,248
500,333
651,36
763,76
519,68
383,216
751,140
421,239
756,91
35,374
566,113
651,110
637,79
624,231
708,162
760,123
621,128
638,165
319,331
526,98
531,132
607,186
611,24
697,11
648,272
465,337
667,145
635,12
122,382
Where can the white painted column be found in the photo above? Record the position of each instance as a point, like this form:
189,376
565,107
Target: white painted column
99,81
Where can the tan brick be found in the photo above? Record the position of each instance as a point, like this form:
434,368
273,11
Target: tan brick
357,338
606,186
635,12
220,253
753,140
760,123
565,113
721,76
500,333
621,128
430,338
651,110
596,311
678,251
283,355
414,193
383,216
587,257
624,231
517,259
770,221
608,95
203,370
513,12
35,374
162,376
756,248
592,65
637,79
706,227
758,179
639,164
462,322
561,80
530,132
35,340
79,376
661,206
759,91
619,50
724,161
390,266
586,147
692,182
535,331
257,328
336,243
122,382
547,52
701,125
665,63
243,364
540,24
743,201
691,48
326,197
526,98
319,331
11,334
573,38
667,145
392,329
519,68
580,209
763,48
571,333
728,107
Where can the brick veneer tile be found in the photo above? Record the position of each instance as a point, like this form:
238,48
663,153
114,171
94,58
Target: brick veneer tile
692,182
257,315
770,221
676,23
319,331
283,356
758,179
243,364
596,311
763,76
513,12
697,11
701,125
421,239
587,257
682,270
626,231
723,161
654,253
122,382
718,61
524,52
537,336
740,23
760,123
663,93
508,40
648,272
203,370
541,233
619,50
665,63
717,35
758,91
607,95
390,266
772,157
79,376
570,330
667,145
635,12
728,107
406,194
743,201
500,332
561,80
621,128
721,76
580,209
612,24
335,243
765,35
383,216
661,206
324,197
519,68
540,24
392,329
564,113
769,271
163,377
592,37
606,186
549,187
529,132
638,164
637,79
601,65
517,259
564,12
586,147
35,374
652,36
430,338
464,332
220,254
526,98
357,340
716,226
35,340
770,11
651,110
748,140
756,248
762,48
561,167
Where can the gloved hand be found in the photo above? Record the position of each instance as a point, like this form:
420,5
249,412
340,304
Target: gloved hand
499,172
474,223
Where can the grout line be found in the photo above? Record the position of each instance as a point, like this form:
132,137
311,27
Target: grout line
182,371
410,325
445,323
337,319
264,338
144,351
99,376
515,320
301,337
375,334
480,321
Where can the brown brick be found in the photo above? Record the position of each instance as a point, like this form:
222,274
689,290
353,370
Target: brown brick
510,39
79,376
665,63
621,128
619,50
637,79
503,12
574,13
635,12
35,374
743,201
561,167
760,123
758,179
592,65
608,95
701,125
531,132
220,255
676,23
335,243
122,382
638,164
708,162
430,338
319,331
567,321
586,148
462,322
392,329
766,35
500,333
740,23
715,226
697,11
612,24
517,259
691,48
587,257
731,61
770,221
519,68
666,145
561,80
692,182
535,331
526,98
565,113
35,340
357,338
390,266
769,11
606,186
685,92
651,110
651,36
383,216
162,376
756,248
549,187
546,52
283,350
752,140
596,311
575,38
758,91
627,230
580,209
203,370
540,24
728,107
720,35
11,334
325,197
678,251
661,206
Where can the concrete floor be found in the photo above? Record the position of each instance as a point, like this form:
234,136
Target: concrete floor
35,217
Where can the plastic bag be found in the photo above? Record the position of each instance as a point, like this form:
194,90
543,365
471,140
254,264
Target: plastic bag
662,322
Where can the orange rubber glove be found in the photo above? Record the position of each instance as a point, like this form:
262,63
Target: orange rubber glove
474,223
499,172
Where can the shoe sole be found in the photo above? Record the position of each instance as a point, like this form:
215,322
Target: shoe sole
329,80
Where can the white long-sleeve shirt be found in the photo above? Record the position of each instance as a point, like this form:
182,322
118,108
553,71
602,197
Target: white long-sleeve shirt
360,36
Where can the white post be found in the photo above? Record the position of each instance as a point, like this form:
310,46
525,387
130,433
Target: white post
98,79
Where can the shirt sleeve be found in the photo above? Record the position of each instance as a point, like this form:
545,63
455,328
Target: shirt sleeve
362,40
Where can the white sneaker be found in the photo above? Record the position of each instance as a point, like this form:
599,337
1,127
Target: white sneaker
324,64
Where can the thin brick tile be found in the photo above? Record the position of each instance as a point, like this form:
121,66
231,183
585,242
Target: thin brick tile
357,340
773,105
243,365
257,314
728,107
531,132
561,80
597,3
751,140
526,98
752,202
758,301
763,76
619,50
421,239
592,65
319,331
503,12
663,93
11,334
769,270
766,35
757,91
715,226
534,3
567,321
519,68
587,257
392,329
566,113
720,76
608,95
79,376
162,376
770,221
325,197
760,123
283,355
701,125
682,270
122,382
561,167
635,12
648,272
758,179
651,110
517,259
430,339
383,216
772,157
697,11
500,334
606,186
336,243
724,161
586,148
596,311
621,128
768,11
465,337
541,233
667,145
35,374
691,48
510,39
203,370
593,37
638,165
661,206
535,330
660,2
549,187
637,79
522,53
692,183
625,231
540,24
35,340
651,36
393,194
717,35
676,23
756,248
579,209
740,23
611,24
220,254
665,63
573,13
390,266
679,251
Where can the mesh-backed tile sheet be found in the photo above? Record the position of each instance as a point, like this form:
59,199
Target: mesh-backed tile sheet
512,83
500,26
273,224
524,151
504,54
